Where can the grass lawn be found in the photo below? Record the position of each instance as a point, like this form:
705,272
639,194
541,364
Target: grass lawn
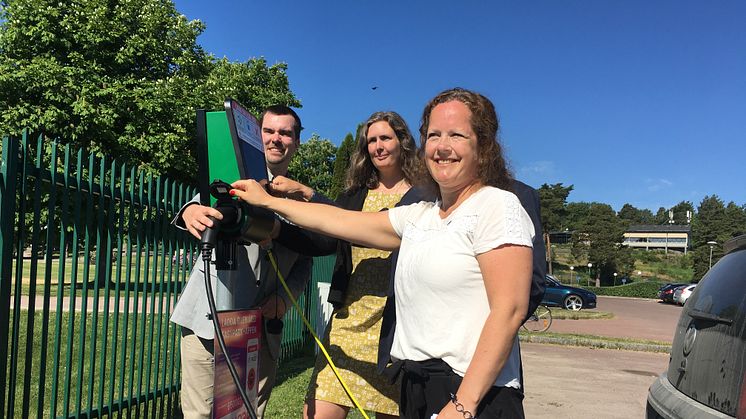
289,393
101,366
561,313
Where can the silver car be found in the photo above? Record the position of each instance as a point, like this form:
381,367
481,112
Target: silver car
683,293
706,376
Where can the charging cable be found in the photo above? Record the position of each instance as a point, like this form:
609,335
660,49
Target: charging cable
315,336
206,253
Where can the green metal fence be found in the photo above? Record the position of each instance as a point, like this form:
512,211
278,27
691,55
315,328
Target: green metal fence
90,270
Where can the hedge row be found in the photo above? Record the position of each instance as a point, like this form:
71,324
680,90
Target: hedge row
646,289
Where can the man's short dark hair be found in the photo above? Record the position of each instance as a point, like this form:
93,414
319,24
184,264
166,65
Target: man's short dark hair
283,110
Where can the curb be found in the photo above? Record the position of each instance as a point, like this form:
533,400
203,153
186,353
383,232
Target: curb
599,343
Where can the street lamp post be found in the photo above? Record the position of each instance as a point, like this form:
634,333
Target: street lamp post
615,279
590,265
712,244
572,270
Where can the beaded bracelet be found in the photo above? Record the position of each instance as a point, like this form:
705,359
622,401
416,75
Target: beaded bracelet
460,408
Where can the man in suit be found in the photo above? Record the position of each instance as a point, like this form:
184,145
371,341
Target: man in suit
253,284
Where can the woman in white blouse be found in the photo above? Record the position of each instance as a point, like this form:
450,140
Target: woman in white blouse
464,269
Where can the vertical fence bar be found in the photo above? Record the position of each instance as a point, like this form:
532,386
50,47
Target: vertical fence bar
75,243
171,285
20,246
86,277
175,373
48,257
110,189
8,183
131,231
64,225
118,281
162,242
135,316
28,360
97,275
147,326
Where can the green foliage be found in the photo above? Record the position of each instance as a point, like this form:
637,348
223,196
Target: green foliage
646,289
661,216
576,213
255,85
341,163
735,218
636,216
121,78
679,212
553,208
709,225
313,164
599,237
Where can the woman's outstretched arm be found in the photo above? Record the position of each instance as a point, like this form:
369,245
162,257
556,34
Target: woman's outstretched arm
370,229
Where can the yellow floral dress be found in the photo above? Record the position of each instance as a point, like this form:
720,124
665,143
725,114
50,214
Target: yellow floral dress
351,336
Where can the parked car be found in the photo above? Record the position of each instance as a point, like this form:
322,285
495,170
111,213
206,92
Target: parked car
665,293
570,298
683,293
707,368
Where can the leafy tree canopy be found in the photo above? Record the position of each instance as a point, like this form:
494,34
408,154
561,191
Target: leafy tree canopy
121,78
313,164
680,211
633,215
598,237
553,209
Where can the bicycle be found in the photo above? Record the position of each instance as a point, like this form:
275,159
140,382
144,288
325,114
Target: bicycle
540,320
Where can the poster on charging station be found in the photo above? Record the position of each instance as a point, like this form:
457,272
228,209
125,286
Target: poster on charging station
242,334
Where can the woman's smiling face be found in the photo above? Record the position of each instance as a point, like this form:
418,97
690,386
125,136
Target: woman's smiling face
383,146
451,147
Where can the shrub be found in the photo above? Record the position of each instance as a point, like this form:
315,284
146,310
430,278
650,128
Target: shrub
647,289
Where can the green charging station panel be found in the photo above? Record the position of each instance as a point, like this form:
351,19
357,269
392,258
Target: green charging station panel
220,150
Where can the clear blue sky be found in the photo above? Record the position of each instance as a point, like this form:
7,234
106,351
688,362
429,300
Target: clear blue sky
640,102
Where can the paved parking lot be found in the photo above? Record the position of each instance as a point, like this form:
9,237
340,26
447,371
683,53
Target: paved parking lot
574,382
633,318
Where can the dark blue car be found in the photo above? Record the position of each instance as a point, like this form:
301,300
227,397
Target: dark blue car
570,298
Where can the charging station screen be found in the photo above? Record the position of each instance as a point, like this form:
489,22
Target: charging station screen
247,139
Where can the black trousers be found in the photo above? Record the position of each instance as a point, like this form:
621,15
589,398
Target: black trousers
427,385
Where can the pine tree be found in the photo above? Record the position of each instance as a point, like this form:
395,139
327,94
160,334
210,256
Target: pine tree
709,225
341,163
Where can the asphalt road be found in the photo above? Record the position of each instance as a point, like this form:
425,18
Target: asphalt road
574,382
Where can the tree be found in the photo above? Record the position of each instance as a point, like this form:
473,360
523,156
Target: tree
710,224
576,213
552,199
255,85
680,211
341,163
633,215
313,164
599,237
121,78
661,216
735,217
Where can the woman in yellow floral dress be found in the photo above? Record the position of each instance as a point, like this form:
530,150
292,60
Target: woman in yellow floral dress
383,168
